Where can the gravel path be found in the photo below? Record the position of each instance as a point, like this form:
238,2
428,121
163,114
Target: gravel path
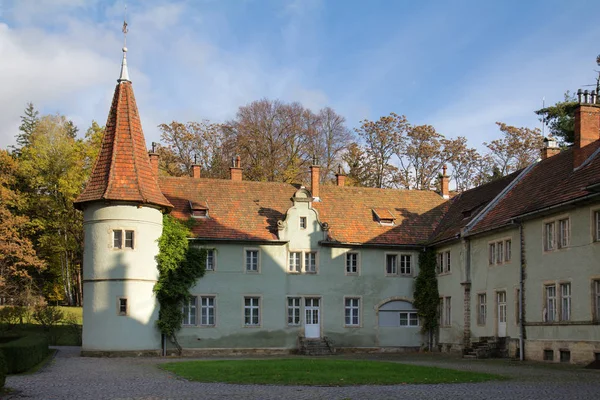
69,376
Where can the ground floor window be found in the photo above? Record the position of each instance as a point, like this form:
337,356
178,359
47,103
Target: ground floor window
481,308
293,311
596,298
445,311
189,311
207,310
409,318
352,311
398,313
550,309
251,311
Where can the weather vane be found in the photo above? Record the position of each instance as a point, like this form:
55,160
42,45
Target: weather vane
125,29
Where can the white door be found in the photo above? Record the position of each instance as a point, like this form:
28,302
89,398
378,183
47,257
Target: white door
312,322
501,300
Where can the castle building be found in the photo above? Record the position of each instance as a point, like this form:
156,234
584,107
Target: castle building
289,266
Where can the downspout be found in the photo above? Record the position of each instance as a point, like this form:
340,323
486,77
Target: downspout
521,294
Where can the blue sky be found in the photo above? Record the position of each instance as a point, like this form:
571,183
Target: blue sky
457,65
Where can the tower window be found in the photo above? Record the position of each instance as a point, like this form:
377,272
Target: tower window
302,222
122,306
123,238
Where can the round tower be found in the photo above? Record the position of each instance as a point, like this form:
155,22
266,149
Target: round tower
122,208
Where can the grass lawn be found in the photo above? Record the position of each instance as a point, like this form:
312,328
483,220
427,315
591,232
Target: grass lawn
303,371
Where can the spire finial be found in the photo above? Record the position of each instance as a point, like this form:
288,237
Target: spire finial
124,72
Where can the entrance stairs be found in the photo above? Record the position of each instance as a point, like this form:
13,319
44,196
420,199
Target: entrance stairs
487,347
315,347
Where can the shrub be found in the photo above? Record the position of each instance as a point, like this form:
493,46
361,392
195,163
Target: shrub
23,354
74,328
11,316
48,316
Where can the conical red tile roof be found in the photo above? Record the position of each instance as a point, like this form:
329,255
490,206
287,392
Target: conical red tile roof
122,171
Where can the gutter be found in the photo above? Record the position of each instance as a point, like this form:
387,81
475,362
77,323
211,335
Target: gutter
549,208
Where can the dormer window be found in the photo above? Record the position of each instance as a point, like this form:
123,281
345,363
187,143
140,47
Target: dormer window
199,210
384,216
302,222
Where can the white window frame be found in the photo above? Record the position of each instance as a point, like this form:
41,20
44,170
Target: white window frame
596,299
492,253
507,250
443,262
207,307
214,259
481,309
596,225
293,311
246,251
563,233
119,308
499,251
409,319
446,311
356,255
252,307
302,220
565,301
189,311
398,264
122,245
294,262
550,303
352,311
308,269
549,236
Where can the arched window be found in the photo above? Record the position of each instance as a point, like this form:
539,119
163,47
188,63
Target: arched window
398,313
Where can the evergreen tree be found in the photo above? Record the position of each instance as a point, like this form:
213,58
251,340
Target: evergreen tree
28,123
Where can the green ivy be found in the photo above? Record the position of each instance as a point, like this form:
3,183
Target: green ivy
179,267
426,295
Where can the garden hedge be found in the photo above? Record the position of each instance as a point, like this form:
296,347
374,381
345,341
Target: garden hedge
24,353
2,370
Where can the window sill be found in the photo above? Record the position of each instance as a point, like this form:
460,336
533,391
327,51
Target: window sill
444,273
252,326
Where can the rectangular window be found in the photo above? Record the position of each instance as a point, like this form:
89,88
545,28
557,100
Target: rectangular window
207,311
352,263
550,303
118,239
507,250
310,262
352,309
499,253
129,239
251,311
189,311
563,233
405,264
123,306
440,263
302,222
565,301
252,260
492,253
481,308
293,311
447,265
596,226
447,311
596,293
409,318
548,355
565,356
391,267
210,260
517,308
549,240
294,264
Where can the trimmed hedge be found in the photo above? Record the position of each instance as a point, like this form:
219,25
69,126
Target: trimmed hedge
24,353
2,370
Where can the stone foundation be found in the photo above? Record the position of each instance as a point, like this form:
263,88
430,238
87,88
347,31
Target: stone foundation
121,353
579,352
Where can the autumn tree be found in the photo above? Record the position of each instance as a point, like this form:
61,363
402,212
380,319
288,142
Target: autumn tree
560,118
516,149
358,165
381,140
19,262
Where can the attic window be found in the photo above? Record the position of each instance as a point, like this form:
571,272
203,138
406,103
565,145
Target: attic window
198,210
384,216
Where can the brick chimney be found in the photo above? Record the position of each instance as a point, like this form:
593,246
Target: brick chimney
154,162
550,148
340,176
235,171
445,183
196,171
587,125
314,179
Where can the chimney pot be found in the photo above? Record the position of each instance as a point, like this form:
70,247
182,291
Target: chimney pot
340,176
235,171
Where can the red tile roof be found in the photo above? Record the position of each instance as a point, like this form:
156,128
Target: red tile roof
122,171
250,210
549,183
467,205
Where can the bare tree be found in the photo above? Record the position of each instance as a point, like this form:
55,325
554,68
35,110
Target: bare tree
517,148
